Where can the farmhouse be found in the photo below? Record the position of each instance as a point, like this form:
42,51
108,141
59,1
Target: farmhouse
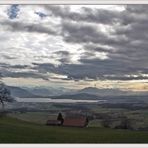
76,122
69,122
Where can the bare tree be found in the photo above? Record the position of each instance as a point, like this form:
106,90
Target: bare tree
4,95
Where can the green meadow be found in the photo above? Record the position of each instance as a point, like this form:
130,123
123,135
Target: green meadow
16,131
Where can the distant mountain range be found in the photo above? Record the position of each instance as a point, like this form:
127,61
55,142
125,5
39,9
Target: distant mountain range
43,91
102,92
20,92
79,96
36,92
61,93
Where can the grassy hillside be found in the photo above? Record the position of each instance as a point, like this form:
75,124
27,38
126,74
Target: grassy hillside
16,131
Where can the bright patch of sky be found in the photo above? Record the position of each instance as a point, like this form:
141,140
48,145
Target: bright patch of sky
13,11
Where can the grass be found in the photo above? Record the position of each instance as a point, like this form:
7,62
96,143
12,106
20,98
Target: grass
16,131
35,117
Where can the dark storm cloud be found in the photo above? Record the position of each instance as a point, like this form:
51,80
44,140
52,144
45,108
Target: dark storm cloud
77,33
62,53
126,43
25,27
86,14
75,28
87,55
19,66
73,71
45,67
9,57
137,9
84,33
96,48
128,46
25,75
7,70
92,69
8,66
126,78
7,73
62,56
108,66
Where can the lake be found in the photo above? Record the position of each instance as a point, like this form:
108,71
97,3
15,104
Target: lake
57,100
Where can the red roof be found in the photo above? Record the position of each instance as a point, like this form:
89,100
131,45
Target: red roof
77,122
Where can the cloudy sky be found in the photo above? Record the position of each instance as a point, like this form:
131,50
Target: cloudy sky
75,46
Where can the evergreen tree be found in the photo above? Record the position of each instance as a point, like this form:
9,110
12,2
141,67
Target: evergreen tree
60,118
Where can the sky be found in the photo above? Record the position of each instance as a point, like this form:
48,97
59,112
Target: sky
75,46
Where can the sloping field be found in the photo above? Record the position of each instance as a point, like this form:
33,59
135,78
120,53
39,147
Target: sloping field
16,131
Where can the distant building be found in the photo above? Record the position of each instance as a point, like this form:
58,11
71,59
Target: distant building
69,122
